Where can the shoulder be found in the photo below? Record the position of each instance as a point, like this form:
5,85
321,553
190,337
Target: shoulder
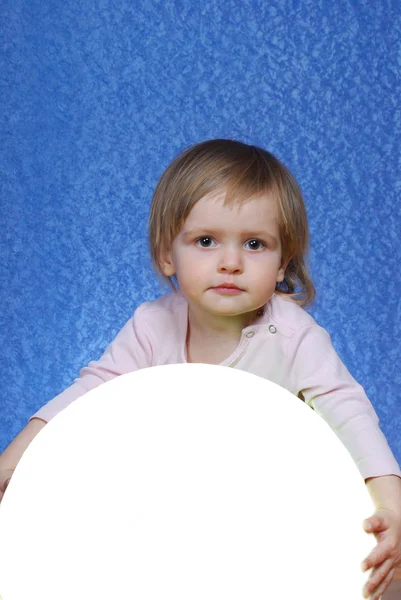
301,330
166,313
289,317
309,348
172,302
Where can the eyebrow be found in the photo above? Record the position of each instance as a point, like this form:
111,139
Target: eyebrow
250,234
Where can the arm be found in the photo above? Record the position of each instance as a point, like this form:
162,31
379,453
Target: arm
329,388
129,351
385,524
317,372
12,454
386,492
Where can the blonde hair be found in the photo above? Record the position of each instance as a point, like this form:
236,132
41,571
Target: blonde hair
245,172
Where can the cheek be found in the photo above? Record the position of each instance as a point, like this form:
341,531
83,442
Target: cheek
269,262
192,271
191,260
187,268
264,270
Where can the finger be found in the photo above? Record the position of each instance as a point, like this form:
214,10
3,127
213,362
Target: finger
383,550
381,588
376,523
6,476
3,490
4,486
377,577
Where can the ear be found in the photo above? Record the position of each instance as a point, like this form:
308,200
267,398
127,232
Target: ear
281,271
166,264
280,275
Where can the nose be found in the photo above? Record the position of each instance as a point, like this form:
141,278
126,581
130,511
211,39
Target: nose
230,261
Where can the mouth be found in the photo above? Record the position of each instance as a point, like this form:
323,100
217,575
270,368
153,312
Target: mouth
227,288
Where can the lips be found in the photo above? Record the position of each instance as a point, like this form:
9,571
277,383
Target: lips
227,288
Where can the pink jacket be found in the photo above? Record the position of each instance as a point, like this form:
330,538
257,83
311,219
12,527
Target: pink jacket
284,345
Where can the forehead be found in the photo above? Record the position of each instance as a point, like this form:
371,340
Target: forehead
212,211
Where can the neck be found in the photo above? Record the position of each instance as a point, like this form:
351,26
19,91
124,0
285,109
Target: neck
205,325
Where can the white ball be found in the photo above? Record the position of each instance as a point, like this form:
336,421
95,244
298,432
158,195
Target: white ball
185,482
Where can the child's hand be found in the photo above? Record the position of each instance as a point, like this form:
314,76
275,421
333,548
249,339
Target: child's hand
386,526
5,476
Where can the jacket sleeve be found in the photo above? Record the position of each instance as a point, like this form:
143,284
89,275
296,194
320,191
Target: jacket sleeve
318,374
131,350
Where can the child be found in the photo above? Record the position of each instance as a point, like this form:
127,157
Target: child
228,231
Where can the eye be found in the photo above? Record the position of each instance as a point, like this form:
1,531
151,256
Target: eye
254,245
205,242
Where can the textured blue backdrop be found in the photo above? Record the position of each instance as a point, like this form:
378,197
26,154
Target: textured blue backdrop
98,97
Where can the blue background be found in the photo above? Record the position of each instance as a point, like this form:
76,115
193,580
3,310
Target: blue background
96,100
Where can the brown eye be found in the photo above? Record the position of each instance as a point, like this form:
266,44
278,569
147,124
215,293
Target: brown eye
205,242
254,245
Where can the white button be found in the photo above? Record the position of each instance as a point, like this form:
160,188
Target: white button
250,334
272,329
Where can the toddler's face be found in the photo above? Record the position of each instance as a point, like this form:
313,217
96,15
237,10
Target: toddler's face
221,246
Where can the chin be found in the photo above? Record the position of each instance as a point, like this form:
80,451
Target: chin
230,312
